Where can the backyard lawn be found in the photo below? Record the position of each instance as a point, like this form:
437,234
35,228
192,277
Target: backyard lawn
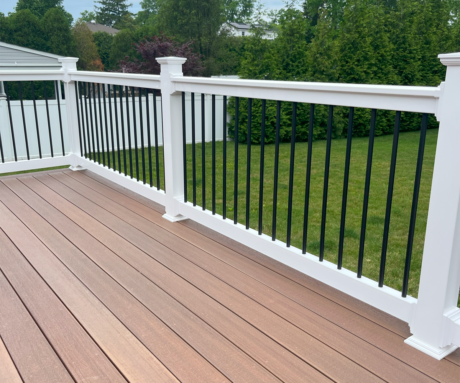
400,214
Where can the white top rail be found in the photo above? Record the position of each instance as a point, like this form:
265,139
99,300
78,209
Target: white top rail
31,75
419,99
114,78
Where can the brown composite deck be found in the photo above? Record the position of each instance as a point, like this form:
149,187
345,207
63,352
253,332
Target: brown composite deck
95,286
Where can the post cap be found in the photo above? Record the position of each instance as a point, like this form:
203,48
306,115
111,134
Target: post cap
171,60
66,60
450,59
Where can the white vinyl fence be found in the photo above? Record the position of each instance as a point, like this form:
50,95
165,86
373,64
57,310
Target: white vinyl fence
33,135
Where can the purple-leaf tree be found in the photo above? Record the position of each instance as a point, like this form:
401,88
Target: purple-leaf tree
161,46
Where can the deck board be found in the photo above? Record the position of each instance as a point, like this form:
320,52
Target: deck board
134,361
178,302
264,350
300,343
336,337
8,371
367,330
36,364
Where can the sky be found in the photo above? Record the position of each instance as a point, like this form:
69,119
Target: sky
75,7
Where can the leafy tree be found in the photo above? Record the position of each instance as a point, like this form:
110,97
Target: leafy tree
89,58
26,31
238,10
109,12
162,46
122,47
196,20
103,41
4,28
40,7
58,34
88,16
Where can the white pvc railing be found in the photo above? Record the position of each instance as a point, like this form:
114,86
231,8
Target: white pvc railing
434,318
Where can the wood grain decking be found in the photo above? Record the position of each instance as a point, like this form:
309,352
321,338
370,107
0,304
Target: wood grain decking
95,286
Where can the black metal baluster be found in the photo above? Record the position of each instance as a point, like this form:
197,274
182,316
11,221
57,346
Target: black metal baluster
48,119
11,122
109,92
129,133
149,136
248,163
120,89
116,125
213,154
224,159
326,183
89,152
291,173
413,213
32,88
386,229
235,191
367,185
24,120
83,125
203,155
193,150
157,155
184,146
141,127
262,165
95,143
81,134
59,114
107,139
307,178
136,153
275,178
100,121
1,149
345,187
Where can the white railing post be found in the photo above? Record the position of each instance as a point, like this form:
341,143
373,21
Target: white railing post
69,64
172,139
433,324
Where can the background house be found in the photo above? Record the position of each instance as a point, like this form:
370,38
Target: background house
96,27
243,29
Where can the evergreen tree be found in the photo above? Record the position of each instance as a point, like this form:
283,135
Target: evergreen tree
86,48
109,12
87,16
58,34
103,41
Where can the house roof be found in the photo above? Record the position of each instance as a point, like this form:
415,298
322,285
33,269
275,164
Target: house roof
247,27
14,57
96,27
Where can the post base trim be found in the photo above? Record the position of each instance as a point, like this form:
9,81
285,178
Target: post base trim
435,352
76,168
176,218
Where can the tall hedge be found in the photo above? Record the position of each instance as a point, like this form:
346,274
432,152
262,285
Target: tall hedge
357,41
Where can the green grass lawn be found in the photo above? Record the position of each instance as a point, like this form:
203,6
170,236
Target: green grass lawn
402,199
